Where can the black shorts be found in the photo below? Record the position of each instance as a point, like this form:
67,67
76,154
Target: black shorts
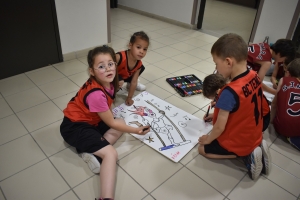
83,136
215,148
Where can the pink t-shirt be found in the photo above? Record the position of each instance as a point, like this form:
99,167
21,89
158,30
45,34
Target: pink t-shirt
97,100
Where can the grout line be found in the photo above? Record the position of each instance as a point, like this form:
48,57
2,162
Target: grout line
246,174
1,191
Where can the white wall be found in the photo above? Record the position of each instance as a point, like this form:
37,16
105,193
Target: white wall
82,24
275,20
179,10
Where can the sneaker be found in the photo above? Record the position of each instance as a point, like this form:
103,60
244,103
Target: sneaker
92,162
265,157
253,163
295,142
139,87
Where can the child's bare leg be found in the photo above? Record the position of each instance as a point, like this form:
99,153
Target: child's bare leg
113,135
108,170
210,155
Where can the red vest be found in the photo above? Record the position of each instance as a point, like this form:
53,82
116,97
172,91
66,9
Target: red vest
287,119
78,110
243,130
258,52
123,68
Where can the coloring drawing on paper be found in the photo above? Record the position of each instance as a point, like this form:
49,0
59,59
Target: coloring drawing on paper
173,132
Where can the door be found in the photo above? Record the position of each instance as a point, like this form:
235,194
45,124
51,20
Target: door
29,36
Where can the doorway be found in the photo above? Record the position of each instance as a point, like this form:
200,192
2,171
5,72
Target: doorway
218,17
29,36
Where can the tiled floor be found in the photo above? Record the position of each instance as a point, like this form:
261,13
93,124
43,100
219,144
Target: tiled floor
221,17
36,163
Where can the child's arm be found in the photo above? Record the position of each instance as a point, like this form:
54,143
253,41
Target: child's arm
264,67
218,128
109,120
274,103
132,88
274,74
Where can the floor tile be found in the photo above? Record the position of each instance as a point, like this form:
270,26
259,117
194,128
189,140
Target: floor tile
207,47
71,67
199,53
55,89
179,103
196,42
286,149
84,60
166,40
155,45
214,171
68,163
186,59
270,135
80,78
40,116
205,67
5,109
190,70
62,101
34,183
190,155
156,167
285,180
153,73
149,197
12,161
167,51
153,57
170,65
45,75
162,83
68,196
157,91
185,185
50,139
180,36
260,189
1,196
11,128
152,35
183,46
285,163
197,100
26,99
124,184
15,84
126,147
207,38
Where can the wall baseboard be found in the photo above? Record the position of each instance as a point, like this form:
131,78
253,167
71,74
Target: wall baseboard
165,19
80,53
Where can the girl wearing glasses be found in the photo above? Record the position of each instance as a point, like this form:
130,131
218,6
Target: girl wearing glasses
130,66
89,124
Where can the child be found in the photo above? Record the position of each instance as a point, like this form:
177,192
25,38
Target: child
238,114
89,124
285,112
260,59
130,66
213,83
281,50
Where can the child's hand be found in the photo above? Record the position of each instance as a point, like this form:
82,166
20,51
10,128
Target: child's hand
274,85
129,102
212,103
203,140
208,118
121,83
143,130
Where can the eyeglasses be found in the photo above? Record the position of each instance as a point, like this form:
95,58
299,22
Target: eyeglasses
102,67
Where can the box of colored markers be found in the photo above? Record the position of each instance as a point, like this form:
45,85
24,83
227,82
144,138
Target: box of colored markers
186,85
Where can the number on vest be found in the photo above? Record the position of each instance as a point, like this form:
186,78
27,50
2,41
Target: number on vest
257,112
294,98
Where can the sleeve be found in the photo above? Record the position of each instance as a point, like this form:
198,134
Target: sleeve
226,101
97,101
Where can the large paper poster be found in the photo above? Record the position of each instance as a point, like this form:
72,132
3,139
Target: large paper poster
173,133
